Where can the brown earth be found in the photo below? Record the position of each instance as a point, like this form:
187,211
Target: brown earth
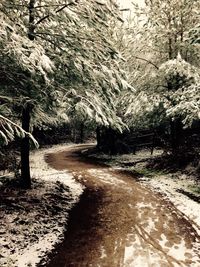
120,223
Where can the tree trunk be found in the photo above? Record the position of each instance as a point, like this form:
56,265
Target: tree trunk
111,141
25,149
25,145
82,132
176,135
98,137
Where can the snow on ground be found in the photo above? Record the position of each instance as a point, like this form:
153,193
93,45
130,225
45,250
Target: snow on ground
169,185
144,237
32,222
166,184
106,177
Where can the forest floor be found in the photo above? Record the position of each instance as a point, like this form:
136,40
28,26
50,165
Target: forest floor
33,221
120,219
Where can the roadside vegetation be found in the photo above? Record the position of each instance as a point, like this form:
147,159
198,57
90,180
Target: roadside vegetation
83,70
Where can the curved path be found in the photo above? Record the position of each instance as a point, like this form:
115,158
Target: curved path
120,223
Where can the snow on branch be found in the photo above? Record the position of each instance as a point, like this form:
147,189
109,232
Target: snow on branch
9,129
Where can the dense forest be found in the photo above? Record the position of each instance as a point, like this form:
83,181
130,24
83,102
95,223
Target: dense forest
89,70
72,63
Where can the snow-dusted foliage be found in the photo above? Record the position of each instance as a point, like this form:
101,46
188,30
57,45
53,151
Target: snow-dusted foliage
59,59
162,63
90,76
9,129
24,73
172,93
194,34
145,111
187,104
178,73
17,49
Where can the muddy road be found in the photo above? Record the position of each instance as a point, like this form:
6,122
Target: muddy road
120,223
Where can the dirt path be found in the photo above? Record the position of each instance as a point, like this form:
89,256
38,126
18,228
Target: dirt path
119,223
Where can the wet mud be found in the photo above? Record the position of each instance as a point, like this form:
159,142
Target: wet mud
120,223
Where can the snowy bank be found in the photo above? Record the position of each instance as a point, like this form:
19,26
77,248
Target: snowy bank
172,186
32,222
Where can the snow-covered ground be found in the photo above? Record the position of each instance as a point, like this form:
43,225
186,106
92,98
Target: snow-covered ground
34,221
169,185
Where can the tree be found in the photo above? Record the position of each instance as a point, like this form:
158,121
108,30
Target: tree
58,57
164,64
24,67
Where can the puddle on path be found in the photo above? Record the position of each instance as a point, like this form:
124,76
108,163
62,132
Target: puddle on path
119,223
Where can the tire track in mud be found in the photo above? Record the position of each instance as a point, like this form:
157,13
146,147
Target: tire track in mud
120,223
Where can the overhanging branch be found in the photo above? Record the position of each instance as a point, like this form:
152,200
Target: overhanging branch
57,11
148,61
